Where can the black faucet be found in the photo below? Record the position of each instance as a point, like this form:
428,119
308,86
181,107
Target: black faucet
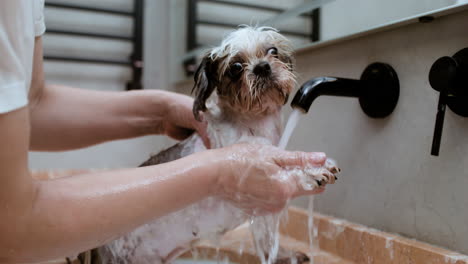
449,76
378,90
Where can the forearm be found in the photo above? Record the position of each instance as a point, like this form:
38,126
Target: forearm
66,118
77,213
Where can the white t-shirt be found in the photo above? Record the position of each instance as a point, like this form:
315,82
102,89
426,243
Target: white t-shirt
20,22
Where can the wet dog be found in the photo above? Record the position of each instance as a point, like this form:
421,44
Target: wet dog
240,88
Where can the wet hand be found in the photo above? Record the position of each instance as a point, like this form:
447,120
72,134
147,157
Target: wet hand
261,179
178,121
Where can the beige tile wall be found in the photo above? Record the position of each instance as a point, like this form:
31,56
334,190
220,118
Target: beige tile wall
389,180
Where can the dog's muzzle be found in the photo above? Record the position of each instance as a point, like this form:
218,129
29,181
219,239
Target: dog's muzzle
262,69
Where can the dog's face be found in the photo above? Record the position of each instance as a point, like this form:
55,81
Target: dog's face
251,71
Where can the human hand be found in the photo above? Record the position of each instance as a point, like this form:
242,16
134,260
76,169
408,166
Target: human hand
261,179
178,121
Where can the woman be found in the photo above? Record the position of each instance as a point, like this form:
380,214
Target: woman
49,219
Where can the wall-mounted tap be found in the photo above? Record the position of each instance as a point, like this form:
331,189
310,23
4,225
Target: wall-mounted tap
378,90
449,76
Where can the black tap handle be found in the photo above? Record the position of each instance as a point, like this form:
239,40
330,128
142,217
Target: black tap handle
442,77
439,125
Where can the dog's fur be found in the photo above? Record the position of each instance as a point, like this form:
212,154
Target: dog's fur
241,101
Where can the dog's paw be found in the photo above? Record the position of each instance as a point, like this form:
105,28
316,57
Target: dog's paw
331,166
315,177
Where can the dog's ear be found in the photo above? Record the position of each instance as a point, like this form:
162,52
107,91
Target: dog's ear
205,82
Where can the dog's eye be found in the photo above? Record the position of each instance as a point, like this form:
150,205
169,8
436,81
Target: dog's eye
272,51
235,69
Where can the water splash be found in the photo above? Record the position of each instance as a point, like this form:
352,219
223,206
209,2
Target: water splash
265,233
265,229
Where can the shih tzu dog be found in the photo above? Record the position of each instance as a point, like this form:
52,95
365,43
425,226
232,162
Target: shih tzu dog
240,87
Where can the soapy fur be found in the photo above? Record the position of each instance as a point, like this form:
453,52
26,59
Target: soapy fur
242,109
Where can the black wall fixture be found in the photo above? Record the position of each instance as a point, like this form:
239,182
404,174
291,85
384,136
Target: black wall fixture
449,76
378,90
136,59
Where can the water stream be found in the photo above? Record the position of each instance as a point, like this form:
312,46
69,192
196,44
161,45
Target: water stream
289,128
270,224
310,226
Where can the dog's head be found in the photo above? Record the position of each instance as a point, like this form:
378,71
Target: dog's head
251,71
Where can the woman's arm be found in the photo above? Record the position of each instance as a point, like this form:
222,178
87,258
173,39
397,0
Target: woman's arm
68,118
64,118
49,219
56,218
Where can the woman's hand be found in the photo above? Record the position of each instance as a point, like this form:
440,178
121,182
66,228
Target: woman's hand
178,121
261,179
88,117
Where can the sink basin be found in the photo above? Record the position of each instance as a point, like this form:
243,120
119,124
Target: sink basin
338,242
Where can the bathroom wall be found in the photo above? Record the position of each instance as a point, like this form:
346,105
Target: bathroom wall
343,17
122,153
389,180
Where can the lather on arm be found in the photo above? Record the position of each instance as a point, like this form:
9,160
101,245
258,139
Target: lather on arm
49,219
46,219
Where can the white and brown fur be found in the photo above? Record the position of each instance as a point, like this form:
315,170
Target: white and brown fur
239,104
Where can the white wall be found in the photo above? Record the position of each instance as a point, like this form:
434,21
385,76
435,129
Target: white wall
122,153
344,17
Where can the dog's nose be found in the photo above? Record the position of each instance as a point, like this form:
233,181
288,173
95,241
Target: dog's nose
262,69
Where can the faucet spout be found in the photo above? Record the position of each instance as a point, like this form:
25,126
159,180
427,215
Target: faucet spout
331,86
378,90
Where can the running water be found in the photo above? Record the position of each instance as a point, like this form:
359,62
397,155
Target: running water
289,128
270,224
310,226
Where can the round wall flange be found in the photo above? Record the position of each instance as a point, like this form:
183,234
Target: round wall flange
380,90
457,100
